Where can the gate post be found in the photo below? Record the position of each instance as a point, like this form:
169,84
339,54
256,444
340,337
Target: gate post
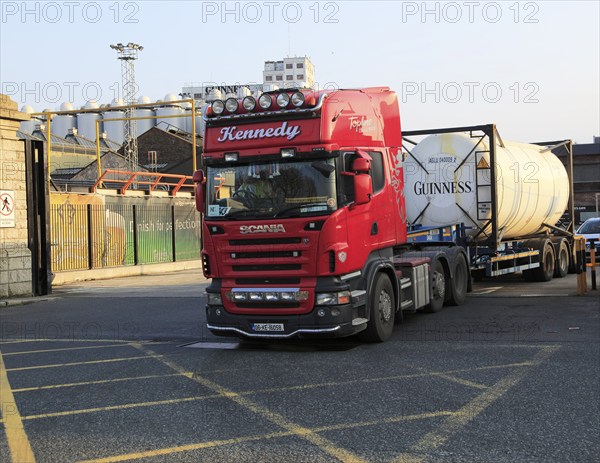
15,255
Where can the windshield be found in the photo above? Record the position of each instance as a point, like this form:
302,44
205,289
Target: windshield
590,227
273,189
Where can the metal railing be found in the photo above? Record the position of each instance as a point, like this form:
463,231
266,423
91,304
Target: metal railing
171,182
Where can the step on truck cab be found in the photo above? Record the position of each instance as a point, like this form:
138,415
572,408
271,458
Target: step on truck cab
304,223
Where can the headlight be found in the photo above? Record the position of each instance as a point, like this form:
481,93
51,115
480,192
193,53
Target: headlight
218,107
343,297
214,299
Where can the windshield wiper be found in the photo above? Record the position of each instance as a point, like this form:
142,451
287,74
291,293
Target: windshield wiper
300,206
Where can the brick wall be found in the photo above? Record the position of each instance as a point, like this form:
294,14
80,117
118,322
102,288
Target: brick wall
15,257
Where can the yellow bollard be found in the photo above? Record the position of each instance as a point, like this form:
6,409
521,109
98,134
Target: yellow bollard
580,265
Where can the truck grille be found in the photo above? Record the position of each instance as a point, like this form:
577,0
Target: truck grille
265,268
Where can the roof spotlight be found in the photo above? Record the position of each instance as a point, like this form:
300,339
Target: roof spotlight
218,107
297,99
231,105
283,99
249,103
265,101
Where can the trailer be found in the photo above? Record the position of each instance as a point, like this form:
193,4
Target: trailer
546,248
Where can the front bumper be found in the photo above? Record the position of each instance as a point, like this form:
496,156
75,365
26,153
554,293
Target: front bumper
306,325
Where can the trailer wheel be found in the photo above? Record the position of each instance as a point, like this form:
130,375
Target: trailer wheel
438,288
546,269
460,282
382,311
561,268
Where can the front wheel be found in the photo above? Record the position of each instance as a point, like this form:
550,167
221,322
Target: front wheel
382,310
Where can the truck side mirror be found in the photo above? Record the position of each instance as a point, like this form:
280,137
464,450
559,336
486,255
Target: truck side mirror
363,188
199,180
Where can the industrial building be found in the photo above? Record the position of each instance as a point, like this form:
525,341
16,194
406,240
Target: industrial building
291,72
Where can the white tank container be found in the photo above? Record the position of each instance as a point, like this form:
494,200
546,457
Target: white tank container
62,123
86,122
115,130
443,185
144,125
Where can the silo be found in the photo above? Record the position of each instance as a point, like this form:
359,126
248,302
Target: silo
168,108
187,112
62,123
28,126
144,125
200,124
243,92
86,122
214,94
115,130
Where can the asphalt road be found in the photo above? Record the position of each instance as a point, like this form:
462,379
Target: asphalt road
123,370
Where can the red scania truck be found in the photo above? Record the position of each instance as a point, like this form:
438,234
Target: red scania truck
304,219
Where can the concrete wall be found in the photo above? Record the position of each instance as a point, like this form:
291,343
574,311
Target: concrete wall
15,257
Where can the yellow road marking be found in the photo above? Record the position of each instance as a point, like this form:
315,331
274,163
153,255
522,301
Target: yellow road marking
238,440
121,407
100,381
446,375
454,423
72,364
384,378
187,448
63,349
305,433
20,341
18,443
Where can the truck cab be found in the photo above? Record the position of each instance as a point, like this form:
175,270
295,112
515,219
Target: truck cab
302,199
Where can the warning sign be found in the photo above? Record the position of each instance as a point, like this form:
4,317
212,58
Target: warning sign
483,164
7,208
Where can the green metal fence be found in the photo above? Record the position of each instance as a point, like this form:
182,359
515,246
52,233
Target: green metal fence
87,236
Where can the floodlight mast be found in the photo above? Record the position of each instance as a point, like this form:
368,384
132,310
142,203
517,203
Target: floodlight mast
128,54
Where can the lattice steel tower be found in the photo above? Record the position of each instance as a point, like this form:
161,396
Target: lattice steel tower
128,54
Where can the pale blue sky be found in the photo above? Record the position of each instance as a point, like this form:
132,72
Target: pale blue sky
542,56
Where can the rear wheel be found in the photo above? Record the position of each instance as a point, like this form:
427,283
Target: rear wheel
382,310
546,269
438,288
561,268
460,281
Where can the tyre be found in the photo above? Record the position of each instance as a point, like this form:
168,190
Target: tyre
438,288
382,311
561,267
460,281
545,271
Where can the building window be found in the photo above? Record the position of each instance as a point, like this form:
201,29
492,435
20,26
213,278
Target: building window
288,77
300,76
289,65
278,77
299,65
269,78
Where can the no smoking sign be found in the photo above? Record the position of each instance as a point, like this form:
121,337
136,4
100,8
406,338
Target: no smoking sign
7,208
